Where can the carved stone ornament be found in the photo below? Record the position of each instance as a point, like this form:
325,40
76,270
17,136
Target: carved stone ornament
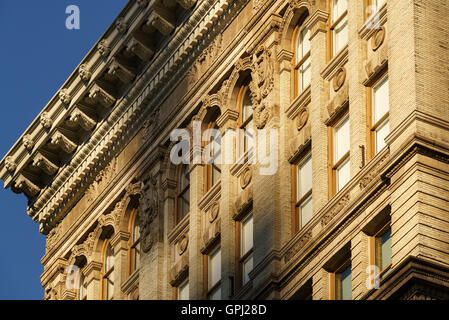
261,85
302,118
378,38
245,178
183,244
142,3
103,48
122,25
64,96
28,142
147,242
10,165
84,72
214,211
339,79
46,121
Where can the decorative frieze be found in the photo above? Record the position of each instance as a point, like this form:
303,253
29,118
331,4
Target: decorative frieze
343,202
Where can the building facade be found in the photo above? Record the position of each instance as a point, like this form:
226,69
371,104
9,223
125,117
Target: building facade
332,114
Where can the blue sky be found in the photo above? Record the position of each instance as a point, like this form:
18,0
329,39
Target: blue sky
37,55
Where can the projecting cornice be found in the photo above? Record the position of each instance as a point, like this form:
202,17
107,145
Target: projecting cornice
88,116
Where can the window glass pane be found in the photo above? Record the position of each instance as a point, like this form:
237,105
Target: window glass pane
247,268
214,267
110,286
302,44
109,261
82,288
216,173
304,75
340,35
137,256
306,211
381,133
342,139
346,284
385,249
247,234
304,177
343,174
247,109
338,8
380,100
216,294
183,291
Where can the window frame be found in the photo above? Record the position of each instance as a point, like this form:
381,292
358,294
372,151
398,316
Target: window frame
243,124
332,164
372,127
209,183
132,243
206,265
82,281
241,259
180,193
331,29
370,3
335,280
296,65
106,274
375,250
296,220
182,284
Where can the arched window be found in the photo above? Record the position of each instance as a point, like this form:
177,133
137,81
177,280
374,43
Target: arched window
108,271
246,118
82,292
182,192
213,167
302,59
134,245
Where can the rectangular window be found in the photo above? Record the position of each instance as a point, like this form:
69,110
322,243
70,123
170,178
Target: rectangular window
372,6
302,60
380,124
380,247
304,209
183,291
340,155
246,247
343,284
338,25
214,274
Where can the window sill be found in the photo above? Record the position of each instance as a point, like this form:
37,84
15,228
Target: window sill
338,61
